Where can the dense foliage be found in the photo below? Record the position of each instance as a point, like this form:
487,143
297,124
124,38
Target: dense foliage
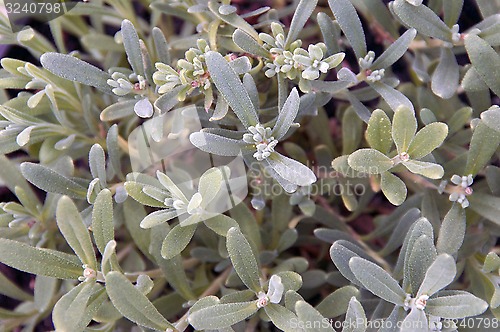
315,166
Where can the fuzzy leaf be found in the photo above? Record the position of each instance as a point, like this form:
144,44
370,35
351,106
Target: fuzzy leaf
377,280
102,220
446,75
485,60
249,44
404,126
369,161
378,133
302,13
281,317
482,146
50,181
75,232
46,262
132,304
336,303
349,22
132,47
452,231
395,51
310,316
355,317
423,19
243,260
231,87
287,115
176,240
427,140
393,188
440,274
74,69
455,304
218,316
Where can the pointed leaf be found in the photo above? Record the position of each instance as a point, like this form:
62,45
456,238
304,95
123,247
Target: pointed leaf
349,22
486,61
377,280
75,232
132,47
243,260
302,13
452,231
287,115
395,51
440,274
455,304
132,304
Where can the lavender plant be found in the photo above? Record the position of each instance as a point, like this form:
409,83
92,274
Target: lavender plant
224,165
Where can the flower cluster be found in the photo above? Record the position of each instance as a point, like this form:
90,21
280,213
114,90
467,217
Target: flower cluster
294,61
462,189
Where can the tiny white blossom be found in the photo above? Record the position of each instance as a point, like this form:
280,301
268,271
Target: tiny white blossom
367,61
88,274
463,190
261,137
455,34
120,84
274,292
376,75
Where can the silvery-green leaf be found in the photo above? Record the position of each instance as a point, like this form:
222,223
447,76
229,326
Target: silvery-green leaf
210,184
50,181
485,205
351,138
302,13
419,228
10,289
75,232
65,143
281,317
427,140
452,10
418,259
144,284
218,316
243,260
216,144
114,151
97,163
348,19
491,118
233,19
311,317
369,161
423,19
341,255
452,231
74,69
393,188
377,280
231,87
427,116
132,47
416,321
109,260
11,177
161,46
378,133
392,97
177,240
102,220
220,224
486,61
132,304
455,304
404,126
430,170
248,225
483,144
331,86
330,31
355,318
74,311
118,110
337,302
291,170
249,44
158,217
46,262
143,108
287,115
251,88
440,274
446,75
241,65
45,289
24,136
395,51
472,82
491,262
